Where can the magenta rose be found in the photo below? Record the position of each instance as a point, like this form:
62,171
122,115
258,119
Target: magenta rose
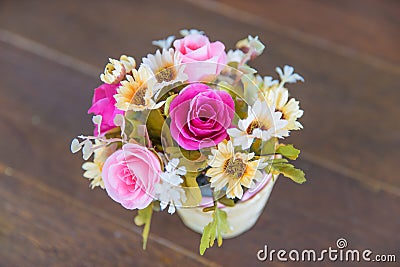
200,116
103,103
203,60
130,174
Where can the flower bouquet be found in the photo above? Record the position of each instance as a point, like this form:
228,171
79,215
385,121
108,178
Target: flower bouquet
192,129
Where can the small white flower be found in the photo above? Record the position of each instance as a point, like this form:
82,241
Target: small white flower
185,32
235,55
97,121
256,44
75,145
168,191
288,75
262,122
114,72
128,62
269,82
251,45
165,43
87,149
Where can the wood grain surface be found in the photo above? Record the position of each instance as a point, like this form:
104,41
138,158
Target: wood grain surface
51,54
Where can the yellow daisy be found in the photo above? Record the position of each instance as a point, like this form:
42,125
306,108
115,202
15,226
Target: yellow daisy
279,98
93,169
136,92
233,169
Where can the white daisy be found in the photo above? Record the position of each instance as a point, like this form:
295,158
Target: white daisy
168,191
166,67
291,111
288,75
233,169
137,91
262,122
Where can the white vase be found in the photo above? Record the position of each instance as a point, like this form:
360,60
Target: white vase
241,217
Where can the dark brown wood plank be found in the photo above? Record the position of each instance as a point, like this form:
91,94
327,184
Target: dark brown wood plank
293,218
343,99
34,232
369,27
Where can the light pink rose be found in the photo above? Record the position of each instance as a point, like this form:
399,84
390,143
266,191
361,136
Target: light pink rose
204,60
130,174
200,116
103,103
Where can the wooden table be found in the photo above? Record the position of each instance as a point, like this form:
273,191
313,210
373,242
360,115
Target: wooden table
51,53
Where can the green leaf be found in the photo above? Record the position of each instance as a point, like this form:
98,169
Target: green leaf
144,218
207,209
246,69
251,89
154,124
289,171
168,104
240,108
192,190
226,201
133,120
288,151
269,147
277,161
214,230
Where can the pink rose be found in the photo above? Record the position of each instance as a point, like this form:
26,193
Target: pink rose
103,104
200,116
130,174
204,60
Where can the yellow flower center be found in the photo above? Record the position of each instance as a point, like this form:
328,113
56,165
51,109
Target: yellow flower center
165,74
235,167
139,96
253,125
284,115
109,68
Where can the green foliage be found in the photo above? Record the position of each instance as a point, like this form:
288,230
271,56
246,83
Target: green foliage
133,120
154,124
251,89
226,201
240,108
214,230
288,151
192,190
288,170
207,209
144,218
168,104
269,147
